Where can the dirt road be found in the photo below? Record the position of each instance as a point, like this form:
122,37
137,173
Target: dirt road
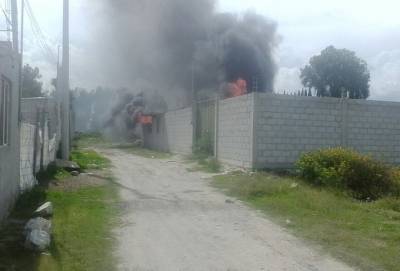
173,220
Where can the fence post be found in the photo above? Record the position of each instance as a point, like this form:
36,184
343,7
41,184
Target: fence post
43,139
344,122
35,142
194,123
253,131
216,126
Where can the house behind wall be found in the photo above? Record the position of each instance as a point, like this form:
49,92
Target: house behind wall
9,130
262,130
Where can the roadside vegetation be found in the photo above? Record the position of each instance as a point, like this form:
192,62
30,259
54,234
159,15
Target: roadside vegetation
143,152
94,140
202,157
338,207
86,210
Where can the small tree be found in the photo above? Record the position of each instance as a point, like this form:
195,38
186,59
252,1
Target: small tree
31,86
337,73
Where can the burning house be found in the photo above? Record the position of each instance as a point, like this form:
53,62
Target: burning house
187,48
183,50
131,114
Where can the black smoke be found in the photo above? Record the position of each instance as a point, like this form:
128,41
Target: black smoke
175,45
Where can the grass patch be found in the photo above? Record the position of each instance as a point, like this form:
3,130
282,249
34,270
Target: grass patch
83,222
143,152
82,225
53,173
204,163
209,165
85,141
90,140
83,219
363,234
89,159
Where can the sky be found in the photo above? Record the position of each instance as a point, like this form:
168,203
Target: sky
370,28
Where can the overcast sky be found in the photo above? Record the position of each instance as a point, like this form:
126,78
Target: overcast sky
370,28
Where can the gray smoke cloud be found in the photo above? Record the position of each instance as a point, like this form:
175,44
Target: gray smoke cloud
167,46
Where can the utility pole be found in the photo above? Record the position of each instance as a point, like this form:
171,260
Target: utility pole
21,66
65,104
14,26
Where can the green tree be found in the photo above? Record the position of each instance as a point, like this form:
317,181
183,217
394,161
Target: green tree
337,73
31,86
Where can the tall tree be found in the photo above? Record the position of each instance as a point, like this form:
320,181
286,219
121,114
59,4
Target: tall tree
31,86
337,73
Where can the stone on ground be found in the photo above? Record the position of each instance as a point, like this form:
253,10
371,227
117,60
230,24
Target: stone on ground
75,173
67,165
37,240
38,223
45,210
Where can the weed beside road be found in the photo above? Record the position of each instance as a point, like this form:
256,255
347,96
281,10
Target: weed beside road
85,211
94,140
365,234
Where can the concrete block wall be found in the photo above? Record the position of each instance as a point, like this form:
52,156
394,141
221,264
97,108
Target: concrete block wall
235,131
27,178
373,128
39,130
288,126
172,131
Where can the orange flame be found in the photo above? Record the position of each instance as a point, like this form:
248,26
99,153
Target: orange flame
237,88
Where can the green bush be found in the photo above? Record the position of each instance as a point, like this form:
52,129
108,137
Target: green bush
345,169
203,147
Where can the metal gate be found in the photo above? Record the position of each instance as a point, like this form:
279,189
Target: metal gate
204,140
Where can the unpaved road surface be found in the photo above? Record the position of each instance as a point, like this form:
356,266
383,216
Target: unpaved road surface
173,220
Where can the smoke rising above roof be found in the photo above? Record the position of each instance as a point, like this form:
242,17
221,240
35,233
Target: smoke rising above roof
172,44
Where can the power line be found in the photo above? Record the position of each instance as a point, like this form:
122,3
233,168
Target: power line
39,35
7,16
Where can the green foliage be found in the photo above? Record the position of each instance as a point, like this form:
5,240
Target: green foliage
143,152
344,169
52,173
209,165
203,151
83,222
31,86
89,159
336,72
364,234
85,140
203,147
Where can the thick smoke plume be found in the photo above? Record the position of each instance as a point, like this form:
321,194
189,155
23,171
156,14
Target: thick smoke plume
171,47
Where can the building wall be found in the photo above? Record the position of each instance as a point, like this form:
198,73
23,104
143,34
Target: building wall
172,131
287,126
9,155
272,131
40,135
235,131
27,179
374,128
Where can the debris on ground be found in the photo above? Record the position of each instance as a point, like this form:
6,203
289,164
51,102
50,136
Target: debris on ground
75,173
38,229
44,210
38,240
67,165
38,223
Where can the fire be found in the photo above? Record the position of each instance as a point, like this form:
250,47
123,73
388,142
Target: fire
144,119
237,88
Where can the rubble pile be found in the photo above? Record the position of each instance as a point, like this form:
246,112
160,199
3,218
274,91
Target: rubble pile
38,230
